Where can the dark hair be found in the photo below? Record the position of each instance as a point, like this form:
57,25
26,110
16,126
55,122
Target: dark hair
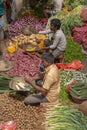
56,22
48,57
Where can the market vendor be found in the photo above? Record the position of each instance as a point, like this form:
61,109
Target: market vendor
58,45
50,89
56,5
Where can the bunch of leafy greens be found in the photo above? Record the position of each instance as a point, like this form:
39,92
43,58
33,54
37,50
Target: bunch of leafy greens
71,4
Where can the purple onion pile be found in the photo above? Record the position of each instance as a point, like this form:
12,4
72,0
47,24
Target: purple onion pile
24,65
15,28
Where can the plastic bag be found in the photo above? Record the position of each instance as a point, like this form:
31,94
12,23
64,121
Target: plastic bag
75,65
10,125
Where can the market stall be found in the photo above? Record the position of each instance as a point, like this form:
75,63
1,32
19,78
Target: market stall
23,36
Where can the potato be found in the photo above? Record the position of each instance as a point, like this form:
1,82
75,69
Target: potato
34,43
30,41
32,36
34,40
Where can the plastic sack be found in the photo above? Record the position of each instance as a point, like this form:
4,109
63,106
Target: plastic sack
75,65
10,125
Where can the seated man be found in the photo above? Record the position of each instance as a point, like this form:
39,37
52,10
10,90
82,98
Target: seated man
50,89
58,45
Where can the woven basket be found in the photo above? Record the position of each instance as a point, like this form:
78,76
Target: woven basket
5,65
13,83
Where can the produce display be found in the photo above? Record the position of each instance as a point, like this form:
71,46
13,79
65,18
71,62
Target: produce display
71,4
68,19
23,40
62,118
4,83
73,51
16,28
79,90
23,64
28,43
66,76
12,84
74,65
26,117
79,35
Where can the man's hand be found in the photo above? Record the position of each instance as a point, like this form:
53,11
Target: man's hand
38,88
38,49
28,79
36,77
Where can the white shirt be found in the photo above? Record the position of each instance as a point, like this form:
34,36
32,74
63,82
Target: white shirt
57,5
59,41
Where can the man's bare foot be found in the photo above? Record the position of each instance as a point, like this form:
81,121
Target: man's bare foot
43,105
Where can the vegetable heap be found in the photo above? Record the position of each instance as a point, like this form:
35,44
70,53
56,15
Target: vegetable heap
67,76
4,83
62,118
27,43
68,19
31,22
23,64
73,51
71,4
79,90
80,35
5,87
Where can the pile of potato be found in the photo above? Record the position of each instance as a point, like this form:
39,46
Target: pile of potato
23,41
12,108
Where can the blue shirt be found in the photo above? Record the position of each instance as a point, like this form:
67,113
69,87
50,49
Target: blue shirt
1,30
1,8
1,23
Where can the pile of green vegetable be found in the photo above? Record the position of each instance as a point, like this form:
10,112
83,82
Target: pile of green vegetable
79,90
65,118
71,4
4,83
73,51
68,19
66,77
69,22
